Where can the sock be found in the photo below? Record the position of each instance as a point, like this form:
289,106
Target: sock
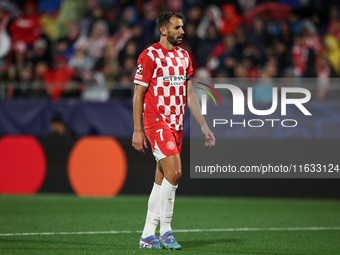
167,200
152,216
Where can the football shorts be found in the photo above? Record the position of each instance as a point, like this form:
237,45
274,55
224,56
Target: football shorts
164,141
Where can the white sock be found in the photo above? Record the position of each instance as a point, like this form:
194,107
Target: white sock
167,200
152,216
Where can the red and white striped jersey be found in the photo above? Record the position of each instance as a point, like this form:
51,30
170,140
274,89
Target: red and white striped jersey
165,73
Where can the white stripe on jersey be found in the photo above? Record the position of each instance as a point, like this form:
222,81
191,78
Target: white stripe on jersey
179,52
168,83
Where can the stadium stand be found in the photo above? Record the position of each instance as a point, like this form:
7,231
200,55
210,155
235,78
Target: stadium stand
61,48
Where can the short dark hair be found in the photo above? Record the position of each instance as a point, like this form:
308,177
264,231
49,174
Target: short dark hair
57,119
163,18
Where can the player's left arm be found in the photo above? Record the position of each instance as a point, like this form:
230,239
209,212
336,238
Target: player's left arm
195,109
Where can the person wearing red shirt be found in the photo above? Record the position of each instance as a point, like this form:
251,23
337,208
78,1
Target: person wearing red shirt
27,27
57,78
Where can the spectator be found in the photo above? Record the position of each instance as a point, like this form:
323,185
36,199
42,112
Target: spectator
323,72
223,50
212,15
129,66
59,129
334,22
41,52
18,57
129,15
73,33
283,33
49,6
258,36
247,5
300,55
310,36
72,89
70,12
271,67
95,89
190,39
129,51
332,47
38,90
27,27
23,87
252,52
226,67
119,39
206,46
5,40
148,23
96,42
283,56
112,17
56,78
138,38
125,86
194,16
40,69
98,15
90,6
81,62
295,23
111,68
263,90
252,69
313,42
240,71
230,20
64,49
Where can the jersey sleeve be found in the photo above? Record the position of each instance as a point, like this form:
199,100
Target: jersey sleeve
145,68
190,70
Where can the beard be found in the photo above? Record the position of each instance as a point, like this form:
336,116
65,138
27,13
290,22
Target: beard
174,41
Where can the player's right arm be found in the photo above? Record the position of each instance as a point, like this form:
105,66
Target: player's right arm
145,67
138,137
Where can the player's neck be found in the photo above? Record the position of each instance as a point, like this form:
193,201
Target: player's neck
166,44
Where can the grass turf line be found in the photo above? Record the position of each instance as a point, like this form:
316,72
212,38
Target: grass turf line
68,213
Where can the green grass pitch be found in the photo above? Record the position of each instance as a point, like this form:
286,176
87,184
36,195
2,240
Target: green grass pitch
238,226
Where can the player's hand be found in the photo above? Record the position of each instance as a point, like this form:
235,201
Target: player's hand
209,136
139,141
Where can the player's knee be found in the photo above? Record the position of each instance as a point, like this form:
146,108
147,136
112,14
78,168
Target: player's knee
177,175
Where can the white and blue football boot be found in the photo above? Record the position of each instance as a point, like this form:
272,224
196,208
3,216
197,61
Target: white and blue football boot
150,242
169,242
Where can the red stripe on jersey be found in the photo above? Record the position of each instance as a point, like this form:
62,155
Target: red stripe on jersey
172,91
160,72
163,70
173,109
178,101
181,90
181,110
171,70
166,100
174,61
160,91
181,70
161,109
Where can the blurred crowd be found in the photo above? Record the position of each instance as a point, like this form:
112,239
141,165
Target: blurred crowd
88,48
